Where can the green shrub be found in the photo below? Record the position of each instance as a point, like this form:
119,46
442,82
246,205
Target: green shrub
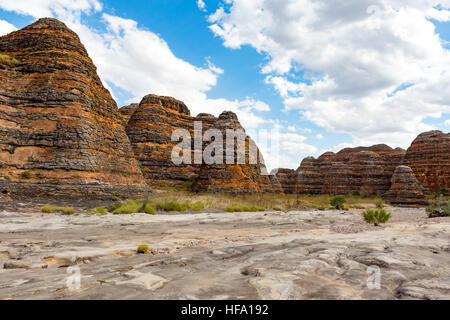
438,208
100,210
376,216
128,207
171,204
8,60
323,208
149,209
52,209
143,249
241,208
338,202
26,175
198,206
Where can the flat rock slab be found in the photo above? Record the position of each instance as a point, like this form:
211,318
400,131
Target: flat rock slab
265,255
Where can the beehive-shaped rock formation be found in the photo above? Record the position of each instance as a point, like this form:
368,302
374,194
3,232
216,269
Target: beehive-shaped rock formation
429,158
150,130
60,129
405,190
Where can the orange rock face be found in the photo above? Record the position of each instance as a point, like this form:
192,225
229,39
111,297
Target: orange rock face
405,189
362,170
127,111
150,130
429,158
60,129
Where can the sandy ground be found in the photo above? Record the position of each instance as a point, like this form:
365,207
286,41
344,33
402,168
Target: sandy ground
269,255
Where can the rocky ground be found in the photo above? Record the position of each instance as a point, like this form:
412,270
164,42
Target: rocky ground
271,255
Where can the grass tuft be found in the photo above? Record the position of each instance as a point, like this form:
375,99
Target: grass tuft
8,60
237,207
52,209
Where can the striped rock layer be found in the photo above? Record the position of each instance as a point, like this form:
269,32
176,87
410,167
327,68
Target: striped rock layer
150,130
429,158
405,189
60,129
362,170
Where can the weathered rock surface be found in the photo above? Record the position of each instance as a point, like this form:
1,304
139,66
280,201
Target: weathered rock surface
272,255
429,158
362,170
150,130
59,127
127,111
405,189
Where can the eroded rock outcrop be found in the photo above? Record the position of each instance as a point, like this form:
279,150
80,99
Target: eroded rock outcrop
405,189
429,158
60,129
127,111
150,130
362,170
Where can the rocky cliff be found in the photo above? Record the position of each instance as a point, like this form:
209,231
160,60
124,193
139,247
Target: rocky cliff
60,129
429,158
150,130
362,170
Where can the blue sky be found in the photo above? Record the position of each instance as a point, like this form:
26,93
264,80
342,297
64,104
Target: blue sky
299,68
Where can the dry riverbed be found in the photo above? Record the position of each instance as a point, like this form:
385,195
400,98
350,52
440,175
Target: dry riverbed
265,255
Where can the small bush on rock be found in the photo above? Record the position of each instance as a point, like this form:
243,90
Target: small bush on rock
438,208
237,207
26,175
100,210
338,202
52,209
143,249
376,217
8,60
128,207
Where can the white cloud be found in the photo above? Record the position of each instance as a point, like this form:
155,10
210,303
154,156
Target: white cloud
201,5
447,123
49,8
319,136
6,27
374,69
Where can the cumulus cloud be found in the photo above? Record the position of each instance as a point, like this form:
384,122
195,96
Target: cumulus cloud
6,27
49,8
201,5
374,69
